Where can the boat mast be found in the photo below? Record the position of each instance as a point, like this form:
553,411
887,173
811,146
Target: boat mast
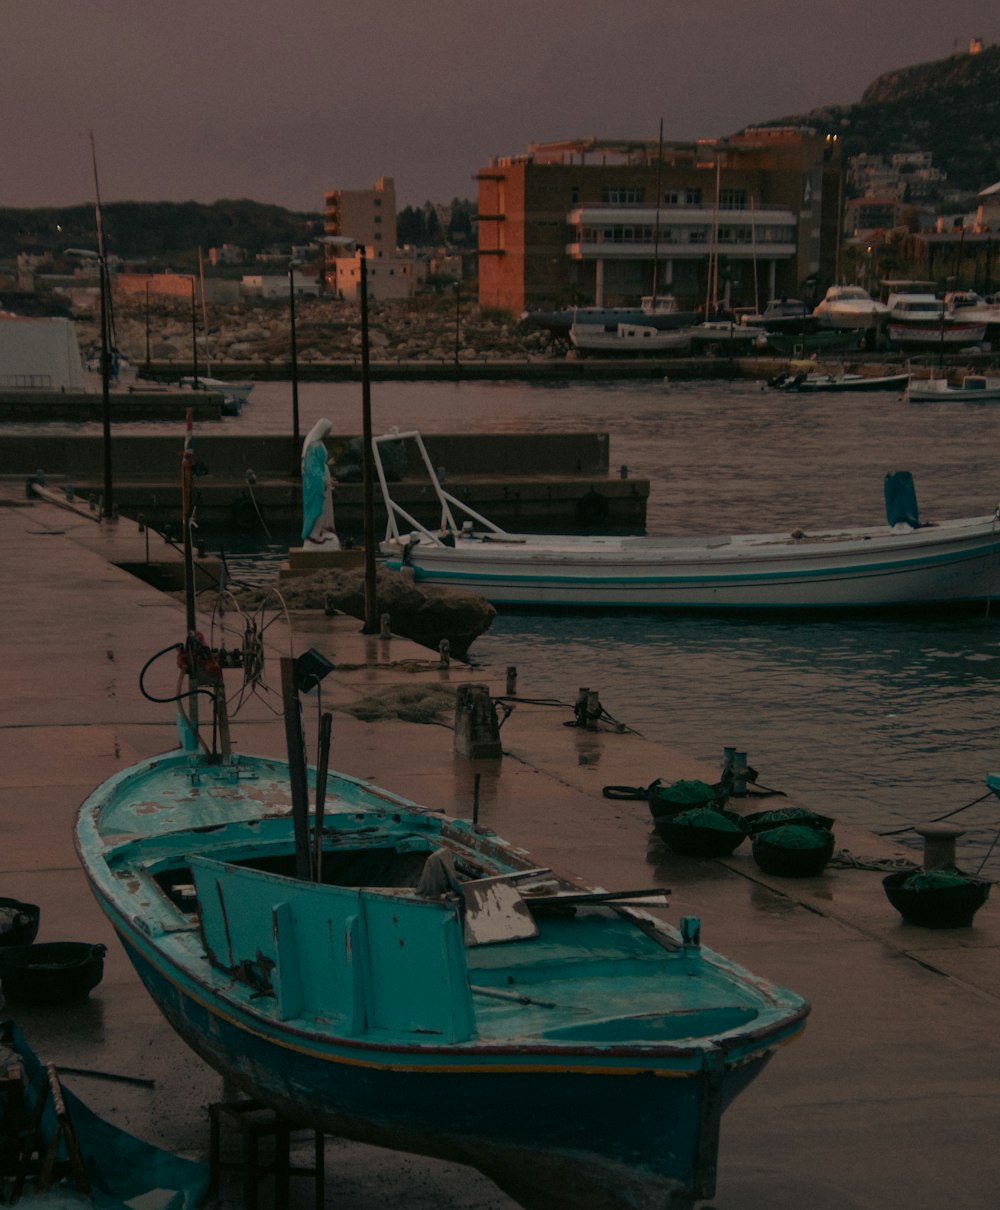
108,504
656,223
753,246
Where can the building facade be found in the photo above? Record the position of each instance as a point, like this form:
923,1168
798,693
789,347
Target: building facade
367,216
392,274
742,220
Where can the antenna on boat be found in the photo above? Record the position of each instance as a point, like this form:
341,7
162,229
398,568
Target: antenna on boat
371,625
656,221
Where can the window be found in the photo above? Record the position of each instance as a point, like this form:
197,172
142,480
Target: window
692,197
623,197
698,235
732,199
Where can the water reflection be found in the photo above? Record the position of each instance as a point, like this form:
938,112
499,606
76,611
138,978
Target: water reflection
882,724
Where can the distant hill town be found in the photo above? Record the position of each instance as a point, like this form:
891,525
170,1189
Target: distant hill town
949,108
944,116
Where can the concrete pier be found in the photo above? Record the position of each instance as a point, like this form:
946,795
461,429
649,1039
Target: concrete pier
891,1097
541,482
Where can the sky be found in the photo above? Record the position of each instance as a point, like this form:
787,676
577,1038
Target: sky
281,101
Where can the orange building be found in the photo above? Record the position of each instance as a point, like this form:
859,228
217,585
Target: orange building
745,219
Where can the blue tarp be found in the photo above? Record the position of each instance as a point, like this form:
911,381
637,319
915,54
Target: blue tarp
120,1167
901,499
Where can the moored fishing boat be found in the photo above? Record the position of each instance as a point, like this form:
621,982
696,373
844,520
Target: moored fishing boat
813,382
380,971
973,388
849,307
880,566
629,339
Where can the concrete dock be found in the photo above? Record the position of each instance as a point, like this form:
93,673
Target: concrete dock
890,1099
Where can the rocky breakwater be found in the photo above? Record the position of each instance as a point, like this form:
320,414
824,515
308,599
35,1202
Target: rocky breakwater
256,332
425,614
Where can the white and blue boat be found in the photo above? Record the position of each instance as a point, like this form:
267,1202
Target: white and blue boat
402,978
880,567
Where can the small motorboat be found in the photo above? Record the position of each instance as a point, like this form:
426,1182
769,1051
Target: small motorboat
830,568
812,382
973,388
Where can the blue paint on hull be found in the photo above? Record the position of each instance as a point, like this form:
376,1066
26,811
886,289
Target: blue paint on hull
492,1120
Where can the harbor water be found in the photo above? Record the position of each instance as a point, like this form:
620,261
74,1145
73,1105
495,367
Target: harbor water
884,723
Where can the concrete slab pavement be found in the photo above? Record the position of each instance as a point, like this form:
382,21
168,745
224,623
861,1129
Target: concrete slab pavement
890,1098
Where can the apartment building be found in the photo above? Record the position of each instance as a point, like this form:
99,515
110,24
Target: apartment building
367,216
595,221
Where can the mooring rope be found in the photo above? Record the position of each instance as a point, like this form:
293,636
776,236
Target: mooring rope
940,818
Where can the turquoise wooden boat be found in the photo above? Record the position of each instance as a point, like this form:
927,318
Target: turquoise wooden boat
433,991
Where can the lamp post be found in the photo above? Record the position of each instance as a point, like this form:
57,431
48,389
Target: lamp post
148,366
458,316
296,463
194,334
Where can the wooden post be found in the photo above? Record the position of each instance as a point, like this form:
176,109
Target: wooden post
322,769
295,745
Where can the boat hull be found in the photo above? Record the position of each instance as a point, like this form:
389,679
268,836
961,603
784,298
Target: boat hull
934,335
939,391
599,1127
349,1008
953,562
813,383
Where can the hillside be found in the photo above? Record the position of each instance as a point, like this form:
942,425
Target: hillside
168,232
950,107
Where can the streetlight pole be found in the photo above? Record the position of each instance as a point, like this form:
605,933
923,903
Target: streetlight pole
148,367
296,463
108,508
458,315
367,461
194,334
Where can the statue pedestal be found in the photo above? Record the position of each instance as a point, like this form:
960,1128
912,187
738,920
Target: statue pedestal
303,560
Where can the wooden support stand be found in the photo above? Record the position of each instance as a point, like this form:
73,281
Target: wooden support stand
49,1167
256,1122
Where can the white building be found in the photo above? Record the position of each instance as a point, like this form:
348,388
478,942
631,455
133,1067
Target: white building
389,275
39,354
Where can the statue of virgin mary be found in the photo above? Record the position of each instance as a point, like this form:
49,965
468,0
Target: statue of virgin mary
318,490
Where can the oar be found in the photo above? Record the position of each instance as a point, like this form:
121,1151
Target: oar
496,994
572,898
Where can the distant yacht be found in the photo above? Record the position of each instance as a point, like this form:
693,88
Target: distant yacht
849,307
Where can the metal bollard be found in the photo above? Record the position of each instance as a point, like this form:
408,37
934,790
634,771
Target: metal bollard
939,843
511,680
328,606
623,472
386,631
593,709
739,774
477,731
445,649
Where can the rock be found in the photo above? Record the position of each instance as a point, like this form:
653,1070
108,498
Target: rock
424,613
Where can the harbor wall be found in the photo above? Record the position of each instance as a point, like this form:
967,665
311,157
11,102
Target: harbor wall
540,482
